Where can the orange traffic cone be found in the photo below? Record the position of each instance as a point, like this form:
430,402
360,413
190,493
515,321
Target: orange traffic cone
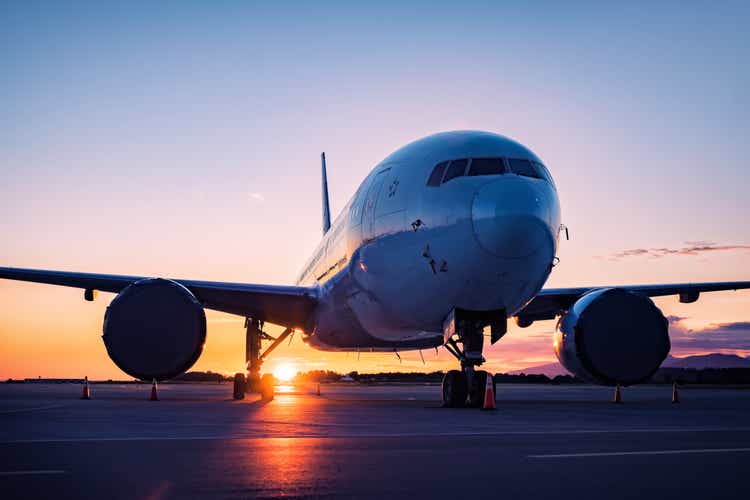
675,395
489,394
618,397
154,396
86,390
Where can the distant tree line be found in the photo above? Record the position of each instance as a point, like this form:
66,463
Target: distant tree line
207,376
717,376
707,376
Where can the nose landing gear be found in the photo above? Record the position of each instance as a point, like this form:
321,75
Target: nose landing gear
465,387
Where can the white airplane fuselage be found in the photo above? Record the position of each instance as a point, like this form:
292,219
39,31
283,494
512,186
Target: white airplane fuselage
402,254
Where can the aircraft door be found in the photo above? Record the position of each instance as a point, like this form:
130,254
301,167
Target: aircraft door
371,200
391,205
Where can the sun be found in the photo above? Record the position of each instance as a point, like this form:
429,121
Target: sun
284,372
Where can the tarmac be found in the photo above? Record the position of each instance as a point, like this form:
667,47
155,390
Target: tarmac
543,441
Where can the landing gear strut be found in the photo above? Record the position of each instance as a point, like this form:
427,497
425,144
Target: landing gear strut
465,387
254,358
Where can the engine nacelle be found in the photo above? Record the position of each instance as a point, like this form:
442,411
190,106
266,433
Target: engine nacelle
612,336
154,329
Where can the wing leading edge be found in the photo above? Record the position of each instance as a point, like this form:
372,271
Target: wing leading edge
553,301
289,306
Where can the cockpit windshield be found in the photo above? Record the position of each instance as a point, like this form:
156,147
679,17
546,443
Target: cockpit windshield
448,170
487,166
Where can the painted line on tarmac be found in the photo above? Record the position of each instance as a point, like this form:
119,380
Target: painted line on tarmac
38,408
641,453
267,435
30,472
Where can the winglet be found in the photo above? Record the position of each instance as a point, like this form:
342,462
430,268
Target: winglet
326,210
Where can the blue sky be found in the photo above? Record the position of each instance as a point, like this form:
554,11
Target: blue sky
183,138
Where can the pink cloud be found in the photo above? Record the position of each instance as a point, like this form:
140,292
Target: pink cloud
692,248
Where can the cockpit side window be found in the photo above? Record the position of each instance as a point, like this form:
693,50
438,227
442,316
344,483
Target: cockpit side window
543,170
523,167
486,166
437,174
457,168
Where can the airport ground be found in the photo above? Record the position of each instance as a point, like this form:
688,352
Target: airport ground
372,442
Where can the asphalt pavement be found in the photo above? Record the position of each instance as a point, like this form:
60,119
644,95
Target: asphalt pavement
372,442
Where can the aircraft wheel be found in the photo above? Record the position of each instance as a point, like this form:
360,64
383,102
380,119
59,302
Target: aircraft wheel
266,387
239,386
455,389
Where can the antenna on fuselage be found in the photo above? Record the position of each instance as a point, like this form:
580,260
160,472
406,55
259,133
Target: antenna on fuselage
326,209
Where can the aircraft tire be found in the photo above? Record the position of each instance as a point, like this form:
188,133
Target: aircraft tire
239,386
455,389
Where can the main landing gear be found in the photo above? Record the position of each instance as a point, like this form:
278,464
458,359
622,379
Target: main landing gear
465,387
254,382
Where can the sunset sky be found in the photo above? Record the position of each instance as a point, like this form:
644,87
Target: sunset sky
183,140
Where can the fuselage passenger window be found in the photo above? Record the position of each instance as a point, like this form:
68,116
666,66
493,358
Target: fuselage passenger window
486,166
456,169
523,167
437,174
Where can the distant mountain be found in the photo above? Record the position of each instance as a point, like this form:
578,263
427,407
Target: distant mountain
714,360
699,362
550,369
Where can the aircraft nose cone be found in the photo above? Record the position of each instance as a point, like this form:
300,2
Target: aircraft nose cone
510,218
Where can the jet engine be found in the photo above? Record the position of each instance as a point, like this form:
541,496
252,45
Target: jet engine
154,329
612,336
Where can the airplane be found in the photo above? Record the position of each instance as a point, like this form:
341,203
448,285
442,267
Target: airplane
447,237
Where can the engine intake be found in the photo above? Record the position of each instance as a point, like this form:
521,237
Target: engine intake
612,336
154,329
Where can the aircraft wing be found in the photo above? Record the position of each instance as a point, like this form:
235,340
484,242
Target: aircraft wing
289,306
551,302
